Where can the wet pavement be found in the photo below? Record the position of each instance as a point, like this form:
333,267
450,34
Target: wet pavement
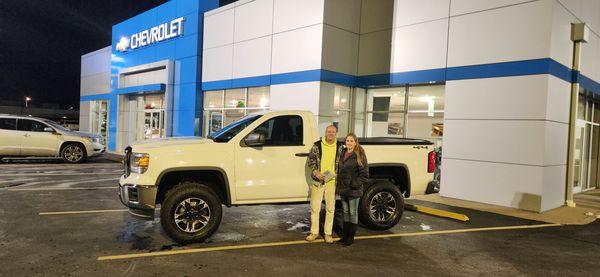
70,244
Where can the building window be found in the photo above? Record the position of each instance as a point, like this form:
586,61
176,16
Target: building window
425,113
334,108
596,112
99,119
222,107
385,113
587,141
406,112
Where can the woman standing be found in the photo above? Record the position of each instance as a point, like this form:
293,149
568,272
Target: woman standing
353,173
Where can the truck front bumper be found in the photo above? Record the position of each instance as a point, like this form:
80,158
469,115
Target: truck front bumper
139,199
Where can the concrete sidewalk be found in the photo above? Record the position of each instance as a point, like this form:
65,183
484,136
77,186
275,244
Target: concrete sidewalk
579,215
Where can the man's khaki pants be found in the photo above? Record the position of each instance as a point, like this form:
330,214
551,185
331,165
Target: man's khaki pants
316,197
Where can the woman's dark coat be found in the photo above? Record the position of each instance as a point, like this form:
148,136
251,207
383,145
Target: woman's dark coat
351,177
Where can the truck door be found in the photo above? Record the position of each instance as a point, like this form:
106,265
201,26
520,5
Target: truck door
276,171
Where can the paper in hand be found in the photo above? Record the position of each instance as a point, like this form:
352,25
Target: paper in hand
328,176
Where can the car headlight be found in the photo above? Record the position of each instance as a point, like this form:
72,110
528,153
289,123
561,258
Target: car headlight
139,162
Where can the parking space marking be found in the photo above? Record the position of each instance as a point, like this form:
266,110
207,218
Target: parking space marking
436,212
50,188
83,212
297,242
483,229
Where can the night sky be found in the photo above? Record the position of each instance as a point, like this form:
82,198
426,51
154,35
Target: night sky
41,43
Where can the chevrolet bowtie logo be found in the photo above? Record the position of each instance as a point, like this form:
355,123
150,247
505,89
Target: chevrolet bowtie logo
123,44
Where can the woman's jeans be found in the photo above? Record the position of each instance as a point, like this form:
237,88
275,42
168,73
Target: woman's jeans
350,206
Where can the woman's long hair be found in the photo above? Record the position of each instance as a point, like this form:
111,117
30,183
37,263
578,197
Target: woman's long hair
358,149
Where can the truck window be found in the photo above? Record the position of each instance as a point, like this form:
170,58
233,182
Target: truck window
8,123
229,131
282,131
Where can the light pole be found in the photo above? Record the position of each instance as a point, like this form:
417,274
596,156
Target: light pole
27,99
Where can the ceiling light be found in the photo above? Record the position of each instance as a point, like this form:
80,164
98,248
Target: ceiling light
263,102
426,98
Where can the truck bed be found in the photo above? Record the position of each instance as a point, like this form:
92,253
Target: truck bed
393,141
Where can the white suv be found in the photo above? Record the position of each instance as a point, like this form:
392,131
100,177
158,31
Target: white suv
22,136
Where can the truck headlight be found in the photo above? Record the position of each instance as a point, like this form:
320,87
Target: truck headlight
139,162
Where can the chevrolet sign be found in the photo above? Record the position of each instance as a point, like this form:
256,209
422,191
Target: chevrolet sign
151,36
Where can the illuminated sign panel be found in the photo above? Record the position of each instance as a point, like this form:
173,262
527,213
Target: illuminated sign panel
156,34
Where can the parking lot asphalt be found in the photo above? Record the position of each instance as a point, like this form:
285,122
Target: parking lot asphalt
37,237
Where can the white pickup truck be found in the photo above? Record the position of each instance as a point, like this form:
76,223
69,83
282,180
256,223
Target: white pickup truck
260,159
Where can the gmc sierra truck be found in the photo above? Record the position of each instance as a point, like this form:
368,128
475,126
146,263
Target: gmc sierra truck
260,159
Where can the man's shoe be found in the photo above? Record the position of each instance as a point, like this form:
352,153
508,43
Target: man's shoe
312,237
328,239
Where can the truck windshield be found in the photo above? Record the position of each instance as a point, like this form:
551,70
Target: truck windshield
229,131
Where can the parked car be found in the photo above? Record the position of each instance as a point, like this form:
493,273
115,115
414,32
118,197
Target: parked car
259,159
23,136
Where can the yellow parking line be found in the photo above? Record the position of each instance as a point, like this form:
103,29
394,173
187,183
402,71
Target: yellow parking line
82,212
484,229
436,212
90,188
296,242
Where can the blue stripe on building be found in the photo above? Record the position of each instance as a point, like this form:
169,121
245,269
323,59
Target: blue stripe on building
95,97
492,70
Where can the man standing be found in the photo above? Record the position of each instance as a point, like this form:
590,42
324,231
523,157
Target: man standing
323,161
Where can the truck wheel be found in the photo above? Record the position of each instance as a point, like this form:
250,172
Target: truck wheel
190,213
73,153
381,206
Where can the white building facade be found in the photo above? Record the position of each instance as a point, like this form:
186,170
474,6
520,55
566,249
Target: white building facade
489,80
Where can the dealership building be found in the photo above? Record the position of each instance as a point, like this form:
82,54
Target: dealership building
491,81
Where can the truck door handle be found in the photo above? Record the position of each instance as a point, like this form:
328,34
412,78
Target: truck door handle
26,135
301,154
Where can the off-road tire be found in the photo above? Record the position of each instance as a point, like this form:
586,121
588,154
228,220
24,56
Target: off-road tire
380,189
177,195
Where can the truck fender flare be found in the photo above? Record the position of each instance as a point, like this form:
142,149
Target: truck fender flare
200,168
402,165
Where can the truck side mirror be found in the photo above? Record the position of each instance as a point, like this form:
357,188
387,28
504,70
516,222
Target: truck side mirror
255,139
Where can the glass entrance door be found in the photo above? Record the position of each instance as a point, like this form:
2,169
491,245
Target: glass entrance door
150,117
153,124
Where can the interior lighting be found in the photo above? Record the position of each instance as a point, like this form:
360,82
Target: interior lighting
263,102
430,104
